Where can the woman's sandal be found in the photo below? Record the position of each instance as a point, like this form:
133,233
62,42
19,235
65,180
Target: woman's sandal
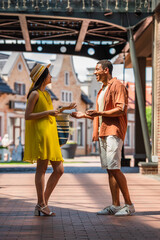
38,210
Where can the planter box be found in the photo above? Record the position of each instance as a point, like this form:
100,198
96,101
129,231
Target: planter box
68,150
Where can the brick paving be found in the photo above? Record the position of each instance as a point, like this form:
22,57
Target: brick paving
75,200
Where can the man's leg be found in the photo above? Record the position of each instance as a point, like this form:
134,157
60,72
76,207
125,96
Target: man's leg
122,183
114,188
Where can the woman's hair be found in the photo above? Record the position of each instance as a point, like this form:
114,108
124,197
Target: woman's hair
39,82
106,64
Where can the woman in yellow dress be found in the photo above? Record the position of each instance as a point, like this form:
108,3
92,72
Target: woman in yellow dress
41,137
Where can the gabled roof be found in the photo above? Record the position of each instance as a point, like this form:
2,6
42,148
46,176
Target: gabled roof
11,62
5,88
86,99
4,56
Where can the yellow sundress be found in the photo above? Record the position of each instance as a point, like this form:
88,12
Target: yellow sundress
41,136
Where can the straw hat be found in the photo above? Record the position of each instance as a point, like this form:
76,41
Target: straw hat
37,71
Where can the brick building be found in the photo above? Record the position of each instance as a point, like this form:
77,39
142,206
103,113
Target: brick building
15,73
65,88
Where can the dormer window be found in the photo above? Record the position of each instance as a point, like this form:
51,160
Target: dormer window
20,67
66,78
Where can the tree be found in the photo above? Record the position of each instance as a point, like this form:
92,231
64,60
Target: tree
149,118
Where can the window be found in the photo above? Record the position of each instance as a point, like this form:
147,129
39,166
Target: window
16,130
20,88
70,97
66,78
127,138
71,130
62,96
20,67
80,134
66,96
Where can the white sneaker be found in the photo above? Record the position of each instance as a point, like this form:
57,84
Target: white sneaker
110,210
127,210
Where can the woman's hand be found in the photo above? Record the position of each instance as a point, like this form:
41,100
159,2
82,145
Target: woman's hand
53,113
71,106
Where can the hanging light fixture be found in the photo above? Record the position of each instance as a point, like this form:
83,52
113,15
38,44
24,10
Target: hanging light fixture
17,5
36,7
24,4
9,3
3,5
145,4
48,6
69,8
42,3
107,10
138,10
100,4
32,3
116,5
126,8
83,5
92,6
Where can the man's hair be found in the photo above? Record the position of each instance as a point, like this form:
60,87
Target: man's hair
106,64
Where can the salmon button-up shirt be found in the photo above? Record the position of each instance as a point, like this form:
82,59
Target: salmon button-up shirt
115,96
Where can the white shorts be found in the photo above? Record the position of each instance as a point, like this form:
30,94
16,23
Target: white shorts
110,148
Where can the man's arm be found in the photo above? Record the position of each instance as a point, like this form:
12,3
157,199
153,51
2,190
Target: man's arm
115,112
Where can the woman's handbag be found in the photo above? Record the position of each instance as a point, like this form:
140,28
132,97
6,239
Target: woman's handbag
62,127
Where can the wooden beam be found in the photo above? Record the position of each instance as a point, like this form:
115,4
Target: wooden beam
82,35
25,32
143,46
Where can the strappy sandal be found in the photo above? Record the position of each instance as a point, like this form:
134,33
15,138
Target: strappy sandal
38,210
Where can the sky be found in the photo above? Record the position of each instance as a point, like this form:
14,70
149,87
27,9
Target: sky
82,63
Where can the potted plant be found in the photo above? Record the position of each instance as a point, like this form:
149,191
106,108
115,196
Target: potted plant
69,149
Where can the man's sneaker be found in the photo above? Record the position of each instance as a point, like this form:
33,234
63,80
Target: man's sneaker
127,210
110,210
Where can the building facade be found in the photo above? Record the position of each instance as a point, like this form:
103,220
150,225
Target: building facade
65,88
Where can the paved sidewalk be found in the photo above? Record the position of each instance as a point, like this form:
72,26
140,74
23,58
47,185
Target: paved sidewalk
87,164
75,200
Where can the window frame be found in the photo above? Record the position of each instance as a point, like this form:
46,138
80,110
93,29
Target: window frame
66,80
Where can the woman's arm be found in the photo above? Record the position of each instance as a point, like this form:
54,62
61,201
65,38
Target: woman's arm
32,100
71,106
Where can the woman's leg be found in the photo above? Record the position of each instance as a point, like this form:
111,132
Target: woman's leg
40,180
53,179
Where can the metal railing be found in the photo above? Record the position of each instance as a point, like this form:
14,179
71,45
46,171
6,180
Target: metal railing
44,6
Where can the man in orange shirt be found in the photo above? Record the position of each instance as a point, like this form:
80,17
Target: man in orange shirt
109,128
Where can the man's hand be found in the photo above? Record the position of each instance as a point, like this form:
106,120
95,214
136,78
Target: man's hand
77,115
93,113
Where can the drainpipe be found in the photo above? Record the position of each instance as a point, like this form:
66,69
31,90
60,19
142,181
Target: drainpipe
139,92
